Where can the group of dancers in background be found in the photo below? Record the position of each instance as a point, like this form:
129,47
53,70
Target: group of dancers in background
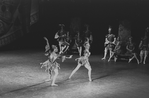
114,46
59,52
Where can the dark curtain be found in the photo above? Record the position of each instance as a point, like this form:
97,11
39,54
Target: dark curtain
15,19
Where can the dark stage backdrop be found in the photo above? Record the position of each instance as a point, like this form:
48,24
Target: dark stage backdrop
16,17
99,14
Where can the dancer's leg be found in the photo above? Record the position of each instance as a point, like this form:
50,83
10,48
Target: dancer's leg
136,58
89,71
111,55
141,56
105,53
54,77
115,57
49,75
80,50
60,46
66,48
74,71
130,59
62,49
145,56
47,69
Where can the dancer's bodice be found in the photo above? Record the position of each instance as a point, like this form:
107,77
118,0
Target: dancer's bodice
131,46
53,56
110,37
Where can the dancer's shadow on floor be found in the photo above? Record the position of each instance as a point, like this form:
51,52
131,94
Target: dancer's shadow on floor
111,71
23,88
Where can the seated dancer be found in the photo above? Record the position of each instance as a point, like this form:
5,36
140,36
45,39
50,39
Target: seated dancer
130,50
61,37
144,47
51,65
116,50
83,61
109,43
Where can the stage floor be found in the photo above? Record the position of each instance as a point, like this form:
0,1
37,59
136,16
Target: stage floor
22,77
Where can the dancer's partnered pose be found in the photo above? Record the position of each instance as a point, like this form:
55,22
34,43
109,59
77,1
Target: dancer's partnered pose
130,51
51,65
83,61
109,43
144,47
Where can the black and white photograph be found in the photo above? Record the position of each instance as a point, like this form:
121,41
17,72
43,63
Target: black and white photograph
74,49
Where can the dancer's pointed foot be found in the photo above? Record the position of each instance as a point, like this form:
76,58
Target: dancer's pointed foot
103,58
115,59
63,58
49,79
54,84
143,62
70,56
138,62
69,78
129,60
90,80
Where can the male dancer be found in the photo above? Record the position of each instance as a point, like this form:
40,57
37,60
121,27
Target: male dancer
109,43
